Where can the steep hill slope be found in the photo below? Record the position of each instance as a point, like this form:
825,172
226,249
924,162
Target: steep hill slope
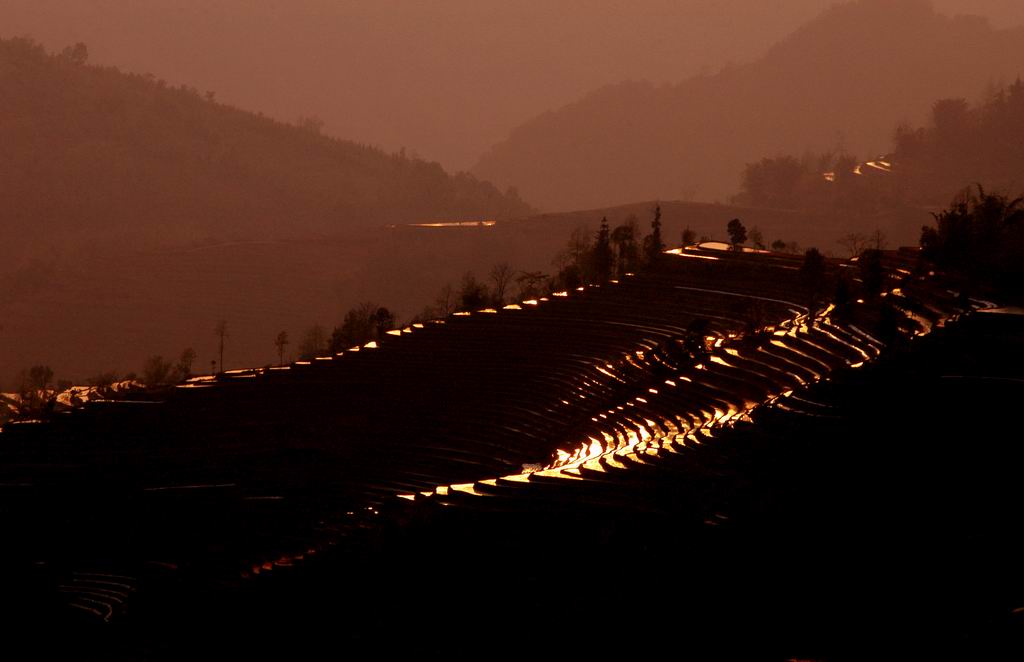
91,155
843,80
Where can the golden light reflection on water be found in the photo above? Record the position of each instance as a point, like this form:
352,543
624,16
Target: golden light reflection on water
817,375
622,438
455,224
679,252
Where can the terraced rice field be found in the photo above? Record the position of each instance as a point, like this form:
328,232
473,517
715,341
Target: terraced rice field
518,447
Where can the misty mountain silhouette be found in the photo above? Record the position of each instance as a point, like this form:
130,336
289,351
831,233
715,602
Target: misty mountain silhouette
843,80
92,153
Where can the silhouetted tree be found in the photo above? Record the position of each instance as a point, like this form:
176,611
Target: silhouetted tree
980,237
383,321
445,301
737,233
310,123
812,276
602,253
472,293
280,342
949,117
183,370
578,248
756,238
532,284
772,183
653,244
627,255
156,371
568,277
77,54
39,377
785,246
104,379
842,298
871,273
574,264
314,343
358,328
34,384
501,276
889,320
338,342
854,243
689,236
221,331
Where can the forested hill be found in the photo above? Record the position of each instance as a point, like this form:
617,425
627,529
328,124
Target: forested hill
94,154
925,167
840,82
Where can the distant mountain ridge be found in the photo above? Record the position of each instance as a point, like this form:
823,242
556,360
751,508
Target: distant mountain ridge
843,80
94,155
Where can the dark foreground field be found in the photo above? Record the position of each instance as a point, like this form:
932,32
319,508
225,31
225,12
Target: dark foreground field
870,513
887,527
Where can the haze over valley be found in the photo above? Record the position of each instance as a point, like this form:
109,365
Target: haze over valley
111,179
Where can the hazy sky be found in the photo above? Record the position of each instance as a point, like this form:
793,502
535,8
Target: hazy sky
444,78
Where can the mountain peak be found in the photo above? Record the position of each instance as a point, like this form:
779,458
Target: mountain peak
844,79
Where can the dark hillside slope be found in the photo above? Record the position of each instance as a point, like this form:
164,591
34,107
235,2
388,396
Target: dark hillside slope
794,489
94,155
844,80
